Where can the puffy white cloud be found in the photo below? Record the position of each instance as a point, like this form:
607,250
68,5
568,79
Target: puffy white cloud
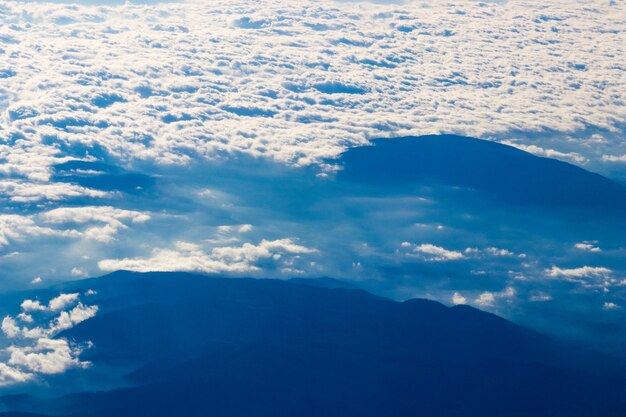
588,246
485,299
457,299
32,305
230,259
437,253
16,227
63,300
34,350
26,192
608,305
100,223
586,276
10,375
488,298
112,219
47,356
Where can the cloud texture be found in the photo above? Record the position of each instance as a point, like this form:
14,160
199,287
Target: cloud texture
168,83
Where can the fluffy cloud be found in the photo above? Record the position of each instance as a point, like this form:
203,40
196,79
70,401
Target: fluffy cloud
458,299
33,348
168,83
437,253
102,223
588,246
111,218
27,192
230,259
488,298
586,276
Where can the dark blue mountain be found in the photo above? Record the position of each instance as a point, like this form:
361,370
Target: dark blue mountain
503,171
199,346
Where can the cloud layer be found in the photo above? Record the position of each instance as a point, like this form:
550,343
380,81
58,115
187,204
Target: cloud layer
168,83
33,349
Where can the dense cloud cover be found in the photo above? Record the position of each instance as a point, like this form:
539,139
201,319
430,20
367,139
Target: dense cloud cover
172,82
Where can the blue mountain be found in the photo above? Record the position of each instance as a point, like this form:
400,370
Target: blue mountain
193,345
502,171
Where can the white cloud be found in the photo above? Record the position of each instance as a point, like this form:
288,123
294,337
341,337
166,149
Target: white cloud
172,82
581,272
10,375
588,246
59,303
457,299
437,253
34,350
610,306
586,276
191,257
100,223
488,298
47,356
548,153
112,219
27,192
15,227
614,158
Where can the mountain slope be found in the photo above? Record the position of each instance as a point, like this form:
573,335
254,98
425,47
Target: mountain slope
503,171
240,347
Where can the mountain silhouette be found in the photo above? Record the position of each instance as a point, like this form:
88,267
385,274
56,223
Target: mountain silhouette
241,347
505,172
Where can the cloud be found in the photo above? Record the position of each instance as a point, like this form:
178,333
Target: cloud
34,350
297,85
610,306
485,299
588,246
586,276
488,298
60,302
28,192
614,158
228,259
16,227
101,223
548,153
581,272
457,299
112,219
437,253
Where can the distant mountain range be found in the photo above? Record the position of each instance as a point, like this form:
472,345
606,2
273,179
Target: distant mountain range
503,171
190,345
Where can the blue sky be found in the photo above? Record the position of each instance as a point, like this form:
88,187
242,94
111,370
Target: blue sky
209,137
